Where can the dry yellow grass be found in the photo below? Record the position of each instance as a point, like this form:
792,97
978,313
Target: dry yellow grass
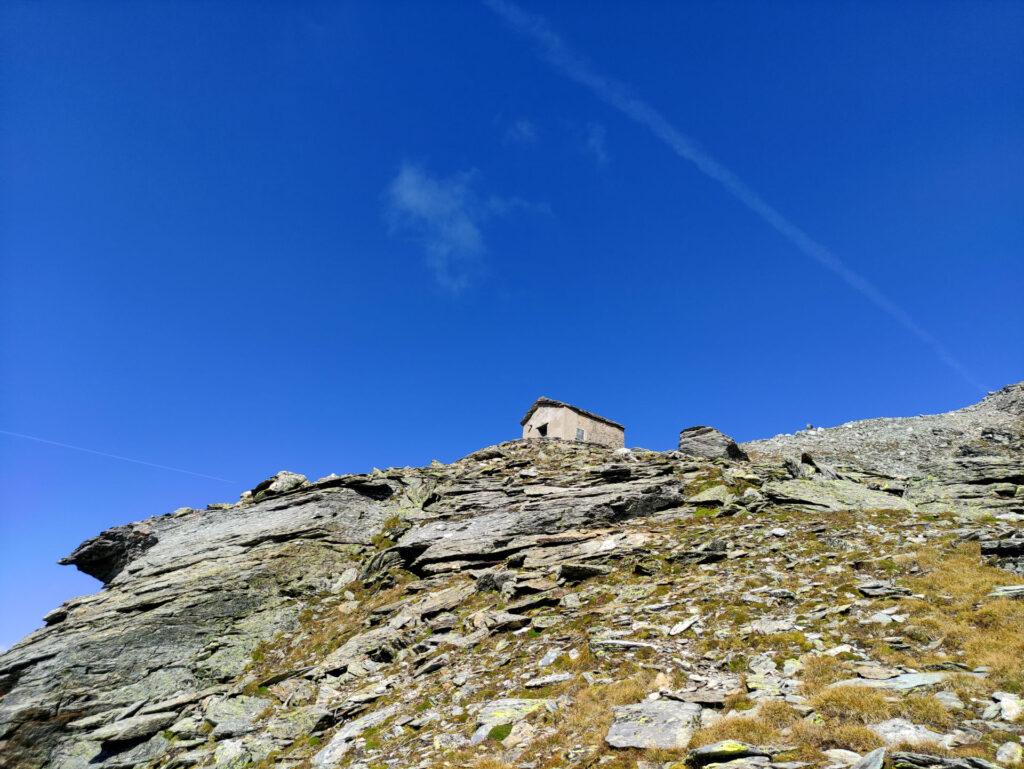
852,703
820,671
777,714
834,735
977,629
752,729
924,709
487,762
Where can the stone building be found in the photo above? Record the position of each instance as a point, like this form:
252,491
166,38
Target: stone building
553,419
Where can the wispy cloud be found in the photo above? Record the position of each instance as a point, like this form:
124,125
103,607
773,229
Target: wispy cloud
522,131
447,216
595,142
112,456
444,215
617,95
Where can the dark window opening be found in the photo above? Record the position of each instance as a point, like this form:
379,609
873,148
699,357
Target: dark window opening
580,435
542,430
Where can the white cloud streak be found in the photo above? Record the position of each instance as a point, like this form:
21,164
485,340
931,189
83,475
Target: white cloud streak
112,456
614,93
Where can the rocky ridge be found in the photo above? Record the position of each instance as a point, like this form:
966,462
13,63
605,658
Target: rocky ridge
801,601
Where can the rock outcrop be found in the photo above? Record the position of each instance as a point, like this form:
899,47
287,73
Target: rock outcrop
709,443
542,603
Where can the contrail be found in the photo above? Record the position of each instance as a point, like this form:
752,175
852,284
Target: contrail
113,456
617,95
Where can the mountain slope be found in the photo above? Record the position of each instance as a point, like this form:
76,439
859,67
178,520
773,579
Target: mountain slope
548,604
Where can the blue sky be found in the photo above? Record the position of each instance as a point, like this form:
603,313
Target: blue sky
236,238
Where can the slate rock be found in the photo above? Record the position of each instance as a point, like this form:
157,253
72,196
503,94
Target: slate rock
280,483
133,728
235,716
661,724
1008,591
1011,706
901,683
505,711
709,443
900,731
1010,754
341,742
910,760
873,760
841,757
725,750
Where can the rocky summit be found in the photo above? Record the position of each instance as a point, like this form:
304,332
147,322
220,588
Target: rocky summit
851,596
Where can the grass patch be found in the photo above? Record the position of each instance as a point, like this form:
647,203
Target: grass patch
975,629
752,729
832,735
925,709
820,671
852,703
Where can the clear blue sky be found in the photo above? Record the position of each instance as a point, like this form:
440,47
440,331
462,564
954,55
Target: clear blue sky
240,237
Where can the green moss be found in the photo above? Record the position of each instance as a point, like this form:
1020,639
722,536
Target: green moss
371,738
499,732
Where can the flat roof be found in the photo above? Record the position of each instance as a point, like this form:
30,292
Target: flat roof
542,401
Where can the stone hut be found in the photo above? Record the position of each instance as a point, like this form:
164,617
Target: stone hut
549,418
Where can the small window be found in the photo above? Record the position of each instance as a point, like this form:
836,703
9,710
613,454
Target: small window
542,430
580,435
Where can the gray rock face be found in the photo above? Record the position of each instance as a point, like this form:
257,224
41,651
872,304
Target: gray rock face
189,597
709,443
235,716
665,724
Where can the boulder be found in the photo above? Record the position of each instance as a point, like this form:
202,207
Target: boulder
1010,754
709,443
1011,706
900,731
872,760
661,724
280,483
